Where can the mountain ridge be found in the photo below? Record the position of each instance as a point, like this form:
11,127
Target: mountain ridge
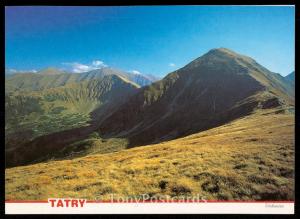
52,77
51,71
210,91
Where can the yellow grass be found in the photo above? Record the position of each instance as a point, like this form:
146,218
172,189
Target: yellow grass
249,159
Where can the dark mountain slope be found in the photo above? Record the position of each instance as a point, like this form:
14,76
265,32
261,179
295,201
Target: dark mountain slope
212,90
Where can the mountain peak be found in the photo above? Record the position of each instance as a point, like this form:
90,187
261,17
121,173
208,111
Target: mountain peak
51,71
222,50
220,57
225,53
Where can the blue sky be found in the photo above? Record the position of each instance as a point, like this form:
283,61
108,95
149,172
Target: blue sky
152,40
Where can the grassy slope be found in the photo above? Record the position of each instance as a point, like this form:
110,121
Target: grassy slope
247,159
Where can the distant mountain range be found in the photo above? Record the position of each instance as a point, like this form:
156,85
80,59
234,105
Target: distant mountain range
52,77
57,109
62,99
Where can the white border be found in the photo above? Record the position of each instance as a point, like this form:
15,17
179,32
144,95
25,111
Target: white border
154,208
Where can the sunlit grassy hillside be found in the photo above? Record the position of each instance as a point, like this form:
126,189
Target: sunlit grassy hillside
248,159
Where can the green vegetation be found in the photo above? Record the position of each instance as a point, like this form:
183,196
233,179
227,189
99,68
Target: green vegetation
61,108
